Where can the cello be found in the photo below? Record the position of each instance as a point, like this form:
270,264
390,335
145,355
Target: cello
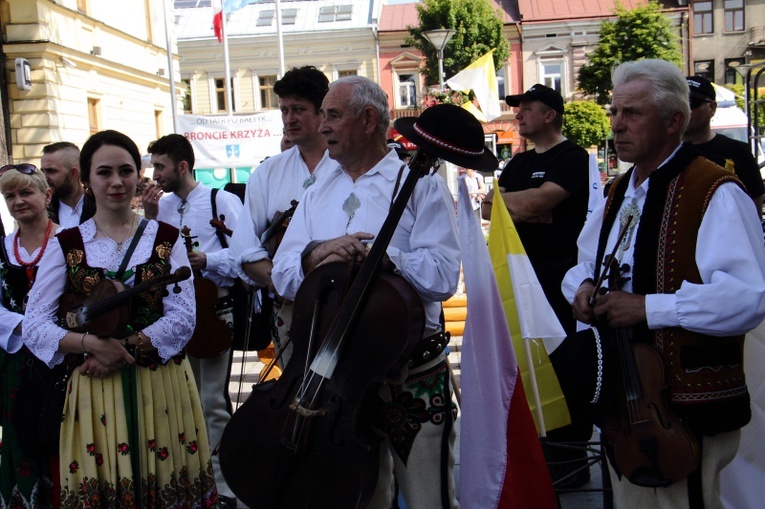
212,336
650,445
311,429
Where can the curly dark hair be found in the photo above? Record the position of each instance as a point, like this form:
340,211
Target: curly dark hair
305,83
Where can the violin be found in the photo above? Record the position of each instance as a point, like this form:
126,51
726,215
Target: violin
106,310
212,336
311,431
272,237
651,446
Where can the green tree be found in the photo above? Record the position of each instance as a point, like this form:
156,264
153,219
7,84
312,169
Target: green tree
478,29
642,32
585,123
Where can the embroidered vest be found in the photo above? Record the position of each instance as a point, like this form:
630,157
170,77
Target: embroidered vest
706,376
16,282
146,308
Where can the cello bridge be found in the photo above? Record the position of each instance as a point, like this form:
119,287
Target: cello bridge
306,412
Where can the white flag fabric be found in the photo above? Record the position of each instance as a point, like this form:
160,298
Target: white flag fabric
501,460
481,78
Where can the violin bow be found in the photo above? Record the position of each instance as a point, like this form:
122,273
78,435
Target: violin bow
609,260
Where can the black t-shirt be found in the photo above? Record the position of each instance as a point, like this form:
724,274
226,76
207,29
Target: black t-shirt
566,165
721,149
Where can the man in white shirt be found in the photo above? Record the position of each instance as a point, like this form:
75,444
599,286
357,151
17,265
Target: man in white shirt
336,220
693,273
70,205
188,203
281,179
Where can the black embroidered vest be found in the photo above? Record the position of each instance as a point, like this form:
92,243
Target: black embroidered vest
706,377
16,282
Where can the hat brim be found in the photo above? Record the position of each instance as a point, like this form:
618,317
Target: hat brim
699,95
515,100
485,162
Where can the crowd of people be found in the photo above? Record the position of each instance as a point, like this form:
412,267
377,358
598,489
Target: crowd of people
102,307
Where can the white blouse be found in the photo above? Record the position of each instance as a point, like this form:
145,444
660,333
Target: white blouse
10,341
168,335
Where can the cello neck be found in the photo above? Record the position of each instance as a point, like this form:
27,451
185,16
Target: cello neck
326,358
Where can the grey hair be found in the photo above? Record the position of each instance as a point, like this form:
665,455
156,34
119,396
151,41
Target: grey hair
367,94
669,90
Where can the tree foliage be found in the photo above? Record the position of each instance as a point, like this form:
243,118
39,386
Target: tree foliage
738,89
585,123
642,32
478,29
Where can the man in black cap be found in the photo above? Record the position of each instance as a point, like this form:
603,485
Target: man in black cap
337,219
546,192
731,154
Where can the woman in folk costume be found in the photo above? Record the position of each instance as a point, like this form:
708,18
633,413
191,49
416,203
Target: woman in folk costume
133,432
25,475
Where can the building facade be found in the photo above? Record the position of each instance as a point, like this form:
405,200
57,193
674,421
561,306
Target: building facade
92,65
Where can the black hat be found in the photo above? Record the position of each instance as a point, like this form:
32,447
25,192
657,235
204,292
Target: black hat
399,148
701,88
451,133
538,93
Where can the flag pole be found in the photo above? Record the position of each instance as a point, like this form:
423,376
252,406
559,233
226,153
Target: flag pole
170,69
279,37
226,65
535,389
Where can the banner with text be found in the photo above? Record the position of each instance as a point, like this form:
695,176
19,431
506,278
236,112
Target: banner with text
232,141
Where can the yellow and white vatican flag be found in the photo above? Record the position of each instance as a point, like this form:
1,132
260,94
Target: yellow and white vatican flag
481,78
535,329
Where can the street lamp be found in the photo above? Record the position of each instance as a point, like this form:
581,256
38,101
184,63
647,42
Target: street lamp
438,38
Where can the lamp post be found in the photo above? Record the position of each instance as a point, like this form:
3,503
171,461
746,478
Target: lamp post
438,38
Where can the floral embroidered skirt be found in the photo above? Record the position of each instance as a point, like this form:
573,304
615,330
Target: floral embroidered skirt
24,479
97,456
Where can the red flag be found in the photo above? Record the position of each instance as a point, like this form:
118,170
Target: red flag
218,19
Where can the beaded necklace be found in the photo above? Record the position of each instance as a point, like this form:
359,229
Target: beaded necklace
30,266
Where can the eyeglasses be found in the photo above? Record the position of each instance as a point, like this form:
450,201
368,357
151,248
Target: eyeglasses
25,168
696,102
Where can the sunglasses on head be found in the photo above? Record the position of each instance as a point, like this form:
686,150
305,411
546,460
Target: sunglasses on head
696,102
24,168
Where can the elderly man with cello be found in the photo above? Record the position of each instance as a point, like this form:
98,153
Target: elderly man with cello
377,239
683,246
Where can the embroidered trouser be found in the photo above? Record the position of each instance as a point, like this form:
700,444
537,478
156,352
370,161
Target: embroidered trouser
417,418
717,452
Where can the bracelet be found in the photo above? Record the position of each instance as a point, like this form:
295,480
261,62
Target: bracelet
82,344
141,336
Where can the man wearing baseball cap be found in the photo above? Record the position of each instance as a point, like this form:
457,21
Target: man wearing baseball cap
546,191
731,154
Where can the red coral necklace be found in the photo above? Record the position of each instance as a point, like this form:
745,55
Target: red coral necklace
30,266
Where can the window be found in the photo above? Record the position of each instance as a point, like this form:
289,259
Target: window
343,74
732,76
406,96
501,83
705,68
220,94
551,75
268,99
158,123
265,18
94,117
703,21
335,13
734,15
289,16
187,96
